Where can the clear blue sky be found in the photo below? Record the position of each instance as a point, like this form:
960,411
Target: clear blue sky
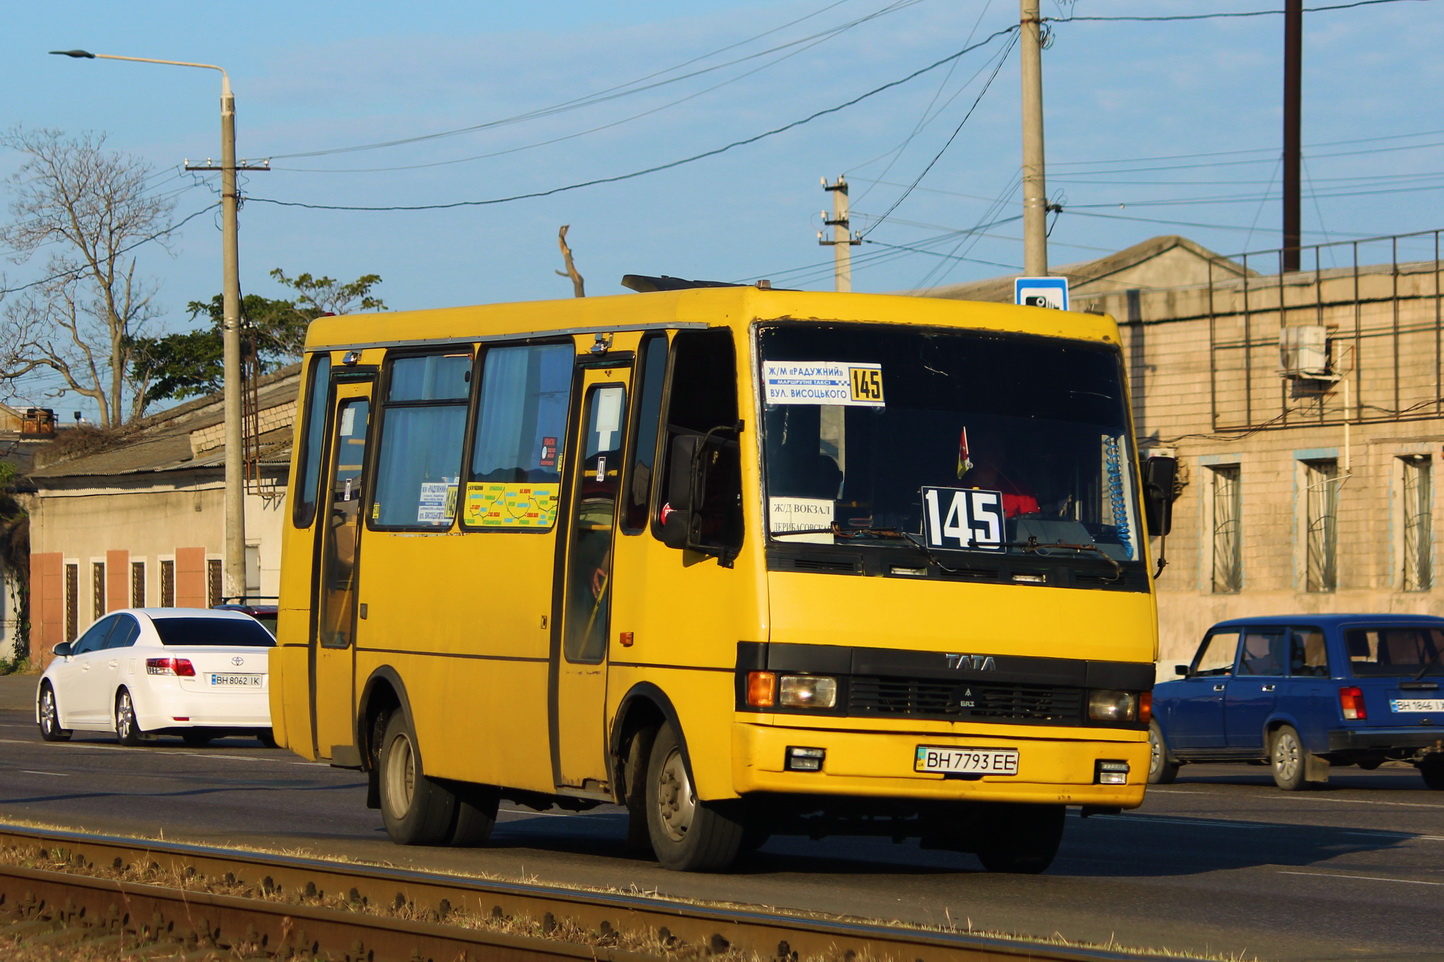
1153,127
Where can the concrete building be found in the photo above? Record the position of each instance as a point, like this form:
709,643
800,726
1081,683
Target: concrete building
1307,413
137,518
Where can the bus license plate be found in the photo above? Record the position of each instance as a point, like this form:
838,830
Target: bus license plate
236,681
966,761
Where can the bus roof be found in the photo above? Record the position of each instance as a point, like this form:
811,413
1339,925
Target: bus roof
698,307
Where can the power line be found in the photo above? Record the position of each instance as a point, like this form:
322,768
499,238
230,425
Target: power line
658,167
631,86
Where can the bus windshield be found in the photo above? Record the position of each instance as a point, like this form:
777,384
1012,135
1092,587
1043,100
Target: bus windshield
961,441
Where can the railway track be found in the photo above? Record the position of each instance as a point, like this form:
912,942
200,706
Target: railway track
264,906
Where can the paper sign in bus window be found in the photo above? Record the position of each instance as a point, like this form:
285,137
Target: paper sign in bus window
963,519
810,515
437,502
823,382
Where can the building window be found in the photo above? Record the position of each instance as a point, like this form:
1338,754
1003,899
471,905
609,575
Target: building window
1321,501
1227,534
97,587
1417,528
213,582
137,584
72,601
167,584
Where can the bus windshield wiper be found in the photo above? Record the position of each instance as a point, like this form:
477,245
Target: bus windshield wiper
1035,546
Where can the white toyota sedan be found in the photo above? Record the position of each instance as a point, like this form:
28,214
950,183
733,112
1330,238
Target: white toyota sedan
193,672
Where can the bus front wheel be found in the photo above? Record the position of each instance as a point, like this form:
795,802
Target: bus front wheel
1020,838
687,834
415,809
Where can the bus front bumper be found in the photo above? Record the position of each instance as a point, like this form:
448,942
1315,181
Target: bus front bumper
1075,768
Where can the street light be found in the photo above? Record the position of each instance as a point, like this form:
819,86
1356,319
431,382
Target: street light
235,548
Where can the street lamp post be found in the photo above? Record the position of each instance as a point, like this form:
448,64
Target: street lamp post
235,547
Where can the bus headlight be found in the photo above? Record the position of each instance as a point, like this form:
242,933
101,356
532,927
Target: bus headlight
766,689
807,691
1105,705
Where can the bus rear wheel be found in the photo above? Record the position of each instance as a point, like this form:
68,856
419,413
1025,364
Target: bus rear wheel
1020,838
687,834
415,809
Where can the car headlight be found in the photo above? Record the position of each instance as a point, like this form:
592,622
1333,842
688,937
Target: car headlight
1105,705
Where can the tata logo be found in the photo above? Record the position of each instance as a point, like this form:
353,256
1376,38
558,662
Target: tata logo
973,662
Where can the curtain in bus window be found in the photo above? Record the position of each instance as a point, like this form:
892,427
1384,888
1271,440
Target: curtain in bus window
418,466
517,454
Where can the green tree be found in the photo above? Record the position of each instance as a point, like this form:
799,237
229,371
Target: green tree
273,333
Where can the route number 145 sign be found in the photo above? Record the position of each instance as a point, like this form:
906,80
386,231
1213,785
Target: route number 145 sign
963,519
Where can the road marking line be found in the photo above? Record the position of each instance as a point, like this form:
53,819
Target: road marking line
1363,878
1292,799
31,771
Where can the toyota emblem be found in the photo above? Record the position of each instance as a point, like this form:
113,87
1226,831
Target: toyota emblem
238,661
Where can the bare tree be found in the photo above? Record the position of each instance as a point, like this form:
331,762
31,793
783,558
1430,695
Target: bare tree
86,209
579,286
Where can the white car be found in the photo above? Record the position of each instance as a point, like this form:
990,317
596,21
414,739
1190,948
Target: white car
193,672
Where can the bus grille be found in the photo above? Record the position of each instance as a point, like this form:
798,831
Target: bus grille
917,698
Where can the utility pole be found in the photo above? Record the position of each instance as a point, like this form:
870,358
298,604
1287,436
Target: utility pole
1293,99
1035,193
842,241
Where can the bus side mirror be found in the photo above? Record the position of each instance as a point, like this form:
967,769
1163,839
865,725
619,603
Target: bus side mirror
679,513
1158,475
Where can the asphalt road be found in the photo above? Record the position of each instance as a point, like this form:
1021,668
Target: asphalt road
1220,863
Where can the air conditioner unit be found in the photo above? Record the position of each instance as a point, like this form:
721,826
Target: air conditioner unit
1304,352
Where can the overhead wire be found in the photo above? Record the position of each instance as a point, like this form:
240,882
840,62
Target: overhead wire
531,195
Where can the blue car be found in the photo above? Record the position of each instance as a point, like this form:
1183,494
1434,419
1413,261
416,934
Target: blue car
1304,692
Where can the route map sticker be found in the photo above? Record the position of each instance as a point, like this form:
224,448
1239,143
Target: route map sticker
491,504
823,382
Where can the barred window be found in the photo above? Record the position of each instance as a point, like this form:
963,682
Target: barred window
167,584
97,588
1321,505
137,584
1227,533
1417,528
72,601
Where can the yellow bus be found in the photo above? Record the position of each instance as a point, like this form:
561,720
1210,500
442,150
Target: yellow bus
744,561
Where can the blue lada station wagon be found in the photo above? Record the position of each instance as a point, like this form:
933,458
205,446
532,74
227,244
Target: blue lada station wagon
1304,692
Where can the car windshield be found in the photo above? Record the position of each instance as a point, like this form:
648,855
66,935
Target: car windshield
1395,651
964,440
217,632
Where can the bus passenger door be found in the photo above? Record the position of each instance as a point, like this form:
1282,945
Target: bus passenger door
579,668
333,637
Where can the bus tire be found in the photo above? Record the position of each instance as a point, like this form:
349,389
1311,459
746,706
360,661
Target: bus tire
639,752
687,835
415,809
475,814
1020,838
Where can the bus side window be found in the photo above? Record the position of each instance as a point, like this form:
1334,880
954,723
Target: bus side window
703,402
308,461
650,379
